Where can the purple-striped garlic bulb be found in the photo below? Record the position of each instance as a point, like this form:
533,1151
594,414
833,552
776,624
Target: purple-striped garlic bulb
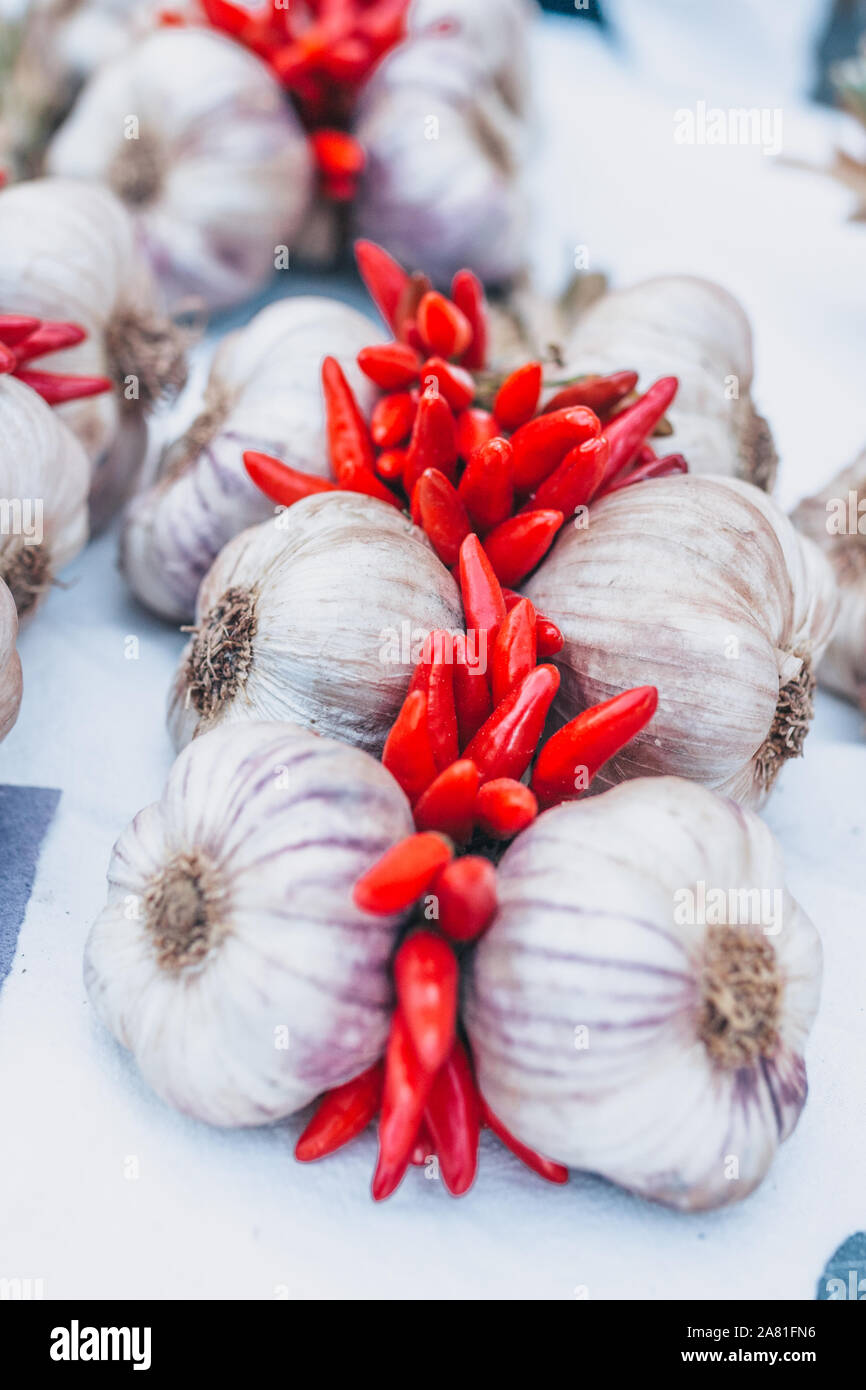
264,393
682,326
44,479
835,519
10,662
68,253
317,616
230,958
702,588
640,1004
194,135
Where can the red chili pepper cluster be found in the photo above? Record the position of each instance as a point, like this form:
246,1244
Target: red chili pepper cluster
23,338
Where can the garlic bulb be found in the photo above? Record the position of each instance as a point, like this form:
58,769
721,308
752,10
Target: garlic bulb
701,587
264,393
640,1005
679,325
44,477
835,519
230,958
194,135
317,617
441,123
10,662
67,252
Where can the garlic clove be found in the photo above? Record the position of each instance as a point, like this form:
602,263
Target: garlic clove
10,662
640,1005
230,958
317,617
702,588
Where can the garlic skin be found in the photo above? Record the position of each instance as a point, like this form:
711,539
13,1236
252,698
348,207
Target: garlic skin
218,174
835,519
264,392
701,587
298,618
68,252
44,479
230,958
10,662
619,1028
682,326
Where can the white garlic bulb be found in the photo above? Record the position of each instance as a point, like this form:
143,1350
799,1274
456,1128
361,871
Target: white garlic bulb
10,662
230,958
195,136
264,393
318,617
682,326
835,519
44,479
68,253
640,1004
701,587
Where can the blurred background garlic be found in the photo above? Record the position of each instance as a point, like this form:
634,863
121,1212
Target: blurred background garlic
701,587
10,662
835,519
318,617
640,1004
230,958
44,480
67,252
195,137
264,392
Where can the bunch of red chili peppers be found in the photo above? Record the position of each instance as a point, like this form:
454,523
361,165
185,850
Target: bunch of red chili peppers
22,338
490,487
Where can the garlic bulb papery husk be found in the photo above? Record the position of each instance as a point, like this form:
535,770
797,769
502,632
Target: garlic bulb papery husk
264,393
640,1004
230,958
682,326
318,617
44,479
835,519
701,587
444,139
68,253
10,662
195,136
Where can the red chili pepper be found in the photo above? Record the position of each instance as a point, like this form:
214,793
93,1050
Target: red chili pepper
466,892
384,278
348,61
542,443
391,365
414,291
357,478
655,468
483,604
467,293
408,752
402,874
223,15
392,419
390,465
444,328
514,654
517,398
281,483
426,974
442,514
471,693
404,1098
486,487
8,360
349,442
505,744
49,337
337,154
453,1116
433,443
474,428
544,1167
600,393
455,384
627,431
575,480
448,805
15,327
56,389
515,546
504,807
342,1114
441,715
548,638
423,1148
570,759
